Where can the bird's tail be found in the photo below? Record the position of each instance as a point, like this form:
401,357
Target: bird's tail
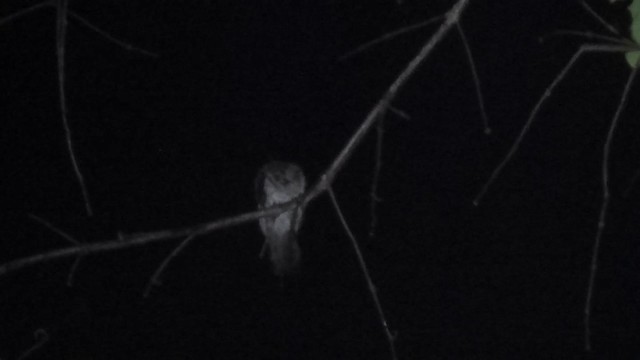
285,255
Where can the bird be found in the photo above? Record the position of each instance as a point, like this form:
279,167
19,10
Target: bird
277,183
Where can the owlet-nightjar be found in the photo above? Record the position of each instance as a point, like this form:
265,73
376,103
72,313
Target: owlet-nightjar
277,183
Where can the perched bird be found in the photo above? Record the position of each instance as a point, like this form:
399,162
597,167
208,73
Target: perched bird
277,183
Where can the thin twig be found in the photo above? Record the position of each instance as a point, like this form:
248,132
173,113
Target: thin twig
61,34
603,209
388,36
42,337
67,237
155,279
599,18
399,113
26,11
590,36
476,79
73,270
109,37
538,106
55,229
365,271
83,21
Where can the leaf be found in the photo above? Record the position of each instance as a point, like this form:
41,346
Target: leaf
634,56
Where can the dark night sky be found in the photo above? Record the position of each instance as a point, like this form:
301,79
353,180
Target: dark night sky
176,140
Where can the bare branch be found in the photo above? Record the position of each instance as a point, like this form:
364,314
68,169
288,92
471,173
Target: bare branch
124,241
476,79
125,45
399,113
61,35
599,18
590,36
603,209
62,12
42,337
73,270
155,279
67,237
363,266
20,13
525,129
373,194
53,228
106,35
140,239
388,36
451,18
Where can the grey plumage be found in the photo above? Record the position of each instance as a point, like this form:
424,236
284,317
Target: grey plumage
277,183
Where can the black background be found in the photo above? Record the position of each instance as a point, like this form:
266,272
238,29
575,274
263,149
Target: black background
175,141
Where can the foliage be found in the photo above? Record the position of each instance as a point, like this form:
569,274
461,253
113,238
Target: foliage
634,56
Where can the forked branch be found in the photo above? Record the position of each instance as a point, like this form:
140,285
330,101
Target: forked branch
62,14
139,239
323,184
534,113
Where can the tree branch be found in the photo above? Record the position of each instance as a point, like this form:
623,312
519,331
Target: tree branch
139,239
